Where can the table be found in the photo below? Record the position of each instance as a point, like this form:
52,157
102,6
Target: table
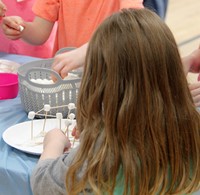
15,165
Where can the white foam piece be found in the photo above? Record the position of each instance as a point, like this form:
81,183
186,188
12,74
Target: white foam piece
59,115
31,115
47,107
21,28
71,106
71,116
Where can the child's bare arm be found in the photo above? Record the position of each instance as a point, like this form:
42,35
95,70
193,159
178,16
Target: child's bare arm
35,33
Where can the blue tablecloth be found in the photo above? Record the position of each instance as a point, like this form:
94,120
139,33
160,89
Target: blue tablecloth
15,165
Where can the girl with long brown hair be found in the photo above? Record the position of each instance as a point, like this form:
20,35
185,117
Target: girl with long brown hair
138,124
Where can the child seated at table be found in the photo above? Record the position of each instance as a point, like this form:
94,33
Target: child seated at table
139,129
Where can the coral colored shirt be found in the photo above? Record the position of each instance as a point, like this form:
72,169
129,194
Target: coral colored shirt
23,9
77,19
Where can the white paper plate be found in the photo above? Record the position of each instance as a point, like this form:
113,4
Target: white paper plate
19,135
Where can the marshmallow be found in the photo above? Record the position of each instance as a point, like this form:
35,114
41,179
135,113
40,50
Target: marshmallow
47,107
21,28
71,106
71,116
31,115
68,122
59,115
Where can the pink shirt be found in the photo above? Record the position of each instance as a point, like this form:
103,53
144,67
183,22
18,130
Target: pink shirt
23,9
77,19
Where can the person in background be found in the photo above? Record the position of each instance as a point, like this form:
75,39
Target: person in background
159,6
145,140
23,8
77,20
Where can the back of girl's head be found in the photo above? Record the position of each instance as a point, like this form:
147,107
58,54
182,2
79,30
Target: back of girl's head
135,102
133,59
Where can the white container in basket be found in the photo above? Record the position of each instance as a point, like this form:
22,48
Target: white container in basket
35,95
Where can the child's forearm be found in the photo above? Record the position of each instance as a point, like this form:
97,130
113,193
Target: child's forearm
34,34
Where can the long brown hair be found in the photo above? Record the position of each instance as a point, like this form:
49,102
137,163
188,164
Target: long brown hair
135,112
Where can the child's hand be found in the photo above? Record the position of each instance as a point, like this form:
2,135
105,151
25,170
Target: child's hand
65,62
57,140
13,27
191,63
55,144
195,61
2,9
195,92
76,133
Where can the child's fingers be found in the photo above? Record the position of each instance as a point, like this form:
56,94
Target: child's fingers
198,77
75,133
15,23
12,33
3,8
10,26
2,13
12,29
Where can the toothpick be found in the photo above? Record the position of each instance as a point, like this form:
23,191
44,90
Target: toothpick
44,124
46,109
66,131
73,141
31,115
32,129
59,116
